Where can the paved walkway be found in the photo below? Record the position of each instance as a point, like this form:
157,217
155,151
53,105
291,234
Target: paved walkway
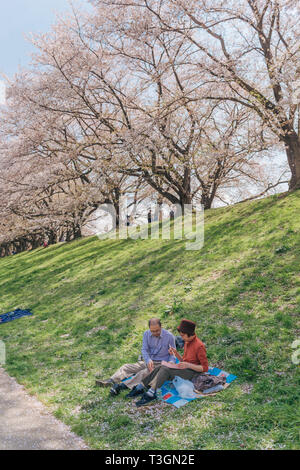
26,424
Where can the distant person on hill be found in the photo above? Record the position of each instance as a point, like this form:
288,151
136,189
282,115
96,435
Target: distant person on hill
156,344
149,216
193,362
45,244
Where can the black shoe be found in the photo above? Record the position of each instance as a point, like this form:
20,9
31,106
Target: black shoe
145,400
116,389
135,392
105,383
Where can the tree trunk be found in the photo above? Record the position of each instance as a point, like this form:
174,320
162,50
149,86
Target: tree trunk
116,203
206,197
186,196
158,209
77,231
206,202
68,235
52,237
292,146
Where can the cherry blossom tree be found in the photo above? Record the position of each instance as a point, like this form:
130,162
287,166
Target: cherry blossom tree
138,101
250,47
46,179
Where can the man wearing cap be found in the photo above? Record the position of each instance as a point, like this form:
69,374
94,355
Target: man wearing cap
193,362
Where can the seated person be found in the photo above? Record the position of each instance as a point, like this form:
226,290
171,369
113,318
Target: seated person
156,344
193,362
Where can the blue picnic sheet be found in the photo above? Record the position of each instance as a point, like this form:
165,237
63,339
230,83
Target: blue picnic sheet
10,316
170,395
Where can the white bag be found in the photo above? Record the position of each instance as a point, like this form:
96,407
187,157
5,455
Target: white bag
185,388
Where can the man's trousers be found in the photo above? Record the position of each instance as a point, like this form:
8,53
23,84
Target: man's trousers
159,375
138,369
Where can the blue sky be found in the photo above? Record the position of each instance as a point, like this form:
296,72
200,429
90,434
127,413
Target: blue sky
25,16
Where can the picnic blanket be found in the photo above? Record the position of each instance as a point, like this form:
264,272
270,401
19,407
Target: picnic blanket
170,395
10,316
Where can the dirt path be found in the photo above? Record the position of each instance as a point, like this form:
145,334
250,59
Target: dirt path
25,423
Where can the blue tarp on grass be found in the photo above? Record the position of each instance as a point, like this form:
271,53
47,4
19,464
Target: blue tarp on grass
170,395
10,316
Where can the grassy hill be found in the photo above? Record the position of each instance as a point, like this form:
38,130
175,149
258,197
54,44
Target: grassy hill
91,301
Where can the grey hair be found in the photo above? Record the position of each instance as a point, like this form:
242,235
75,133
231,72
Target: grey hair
154,321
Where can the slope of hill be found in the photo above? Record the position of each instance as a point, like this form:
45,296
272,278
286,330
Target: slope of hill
91,301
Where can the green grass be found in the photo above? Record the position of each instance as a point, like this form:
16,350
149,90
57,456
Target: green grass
91,301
